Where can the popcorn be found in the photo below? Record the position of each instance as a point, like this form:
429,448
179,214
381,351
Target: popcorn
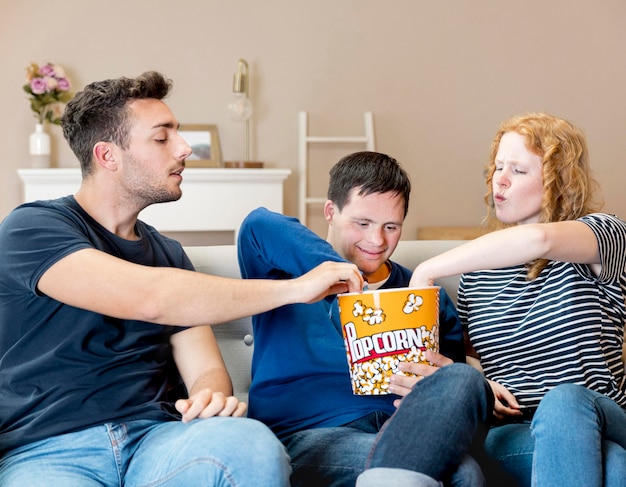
385,327
372,376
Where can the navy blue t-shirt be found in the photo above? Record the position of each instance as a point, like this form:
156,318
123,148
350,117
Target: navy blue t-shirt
62,368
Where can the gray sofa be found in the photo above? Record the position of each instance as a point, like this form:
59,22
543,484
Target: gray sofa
235,338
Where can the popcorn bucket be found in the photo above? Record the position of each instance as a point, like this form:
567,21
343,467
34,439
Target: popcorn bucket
382,328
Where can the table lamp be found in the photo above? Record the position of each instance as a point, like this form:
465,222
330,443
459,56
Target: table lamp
240,109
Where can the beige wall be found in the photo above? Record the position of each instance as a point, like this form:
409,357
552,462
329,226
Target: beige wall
438,75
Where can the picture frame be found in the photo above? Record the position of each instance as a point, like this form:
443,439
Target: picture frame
204,140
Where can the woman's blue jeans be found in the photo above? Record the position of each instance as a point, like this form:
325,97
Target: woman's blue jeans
205,452
430,433
577,437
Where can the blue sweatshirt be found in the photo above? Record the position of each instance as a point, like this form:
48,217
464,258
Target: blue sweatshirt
300,375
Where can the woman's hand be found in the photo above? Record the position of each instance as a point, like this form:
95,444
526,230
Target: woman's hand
505,404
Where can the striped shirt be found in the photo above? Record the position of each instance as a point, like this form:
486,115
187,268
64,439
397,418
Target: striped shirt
567,325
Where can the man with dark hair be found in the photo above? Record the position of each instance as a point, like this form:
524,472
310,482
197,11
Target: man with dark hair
300,379
100,315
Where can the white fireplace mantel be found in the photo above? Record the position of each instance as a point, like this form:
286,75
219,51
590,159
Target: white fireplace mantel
214,199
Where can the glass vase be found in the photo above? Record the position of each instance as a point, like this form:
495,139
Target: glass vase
39,147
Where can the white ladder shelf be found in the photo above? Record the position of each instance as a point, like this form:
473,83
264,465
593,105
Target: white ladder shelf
304,139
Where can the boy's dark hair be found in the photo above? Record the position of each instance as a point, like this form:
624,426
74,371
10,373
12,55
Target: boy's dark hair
100,112
371,172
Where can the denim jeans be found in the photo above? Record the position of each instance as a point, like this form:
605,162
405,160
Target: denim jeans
430,433
205,452
577,437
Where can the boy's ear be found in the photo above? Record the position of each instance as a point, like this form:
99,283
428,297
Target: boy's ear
329,211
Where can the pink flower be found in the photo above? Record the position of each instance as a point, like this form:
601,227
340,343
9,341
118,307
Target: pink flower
38,85
63,84
46,70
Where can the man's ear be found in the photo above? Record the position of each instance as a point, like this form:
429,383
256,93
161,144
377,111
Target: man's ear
329,211
104,154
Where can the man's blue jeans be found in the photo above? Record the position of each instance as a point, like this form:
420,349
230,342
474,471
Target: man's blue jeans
205,452
577,437
429,433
